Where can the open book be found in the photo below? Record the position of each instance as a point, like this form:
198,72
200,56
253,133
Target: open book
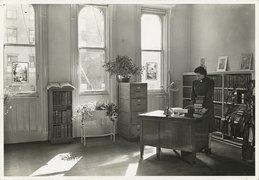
59,85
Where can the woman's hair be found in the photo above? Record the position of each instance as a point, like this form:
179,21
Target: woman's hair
200,70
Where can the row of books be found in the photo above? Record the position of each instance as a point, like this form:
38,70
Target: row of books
62,98
217,96
217,80
237,97
187,92
62,116
188,79
231,129
62,131
218,110
217,124
236,80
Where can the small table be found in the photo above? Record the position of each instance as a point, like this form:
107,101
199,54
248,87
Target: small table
188,135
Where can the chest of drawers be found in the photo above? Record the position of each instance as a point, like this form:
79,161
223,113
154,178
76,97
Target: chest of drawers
132,101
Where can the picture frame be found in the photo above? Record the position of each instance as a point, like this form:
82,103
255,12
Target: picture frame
203,62
151,71
246,61
20,72
222,63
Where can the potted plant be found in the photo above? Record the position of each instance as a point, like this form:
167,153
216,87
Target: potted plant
8,94
112,111
123,67
242,115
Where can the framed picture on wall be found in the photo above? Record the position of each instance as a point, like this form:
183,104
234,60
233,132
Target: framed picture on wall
203,62
151,69
222,63
246,61
20,72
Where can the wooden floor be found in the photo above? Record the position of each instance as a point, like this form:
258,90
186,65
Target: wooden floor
102,157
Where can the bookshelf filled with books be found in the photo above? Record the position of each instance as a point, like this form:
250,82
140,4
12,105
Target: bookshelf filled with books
60,114
226,83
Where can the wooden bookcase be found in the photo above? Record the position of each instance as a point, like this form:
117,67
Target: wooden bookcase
224,83
60,114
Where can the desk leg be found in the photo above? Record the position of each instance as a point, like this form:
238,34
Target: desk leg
141,151
158,152
190,157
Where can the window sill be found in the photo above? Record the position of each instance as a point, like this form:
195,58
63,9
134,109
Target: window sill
156,91
25,95
86,93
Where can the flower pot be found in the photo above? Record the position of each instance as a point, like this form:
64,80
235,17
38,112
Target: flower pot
123,79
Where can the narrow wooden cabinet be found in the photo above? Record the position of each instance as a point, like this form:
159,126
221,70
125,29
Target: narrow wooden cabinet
132,101
60,114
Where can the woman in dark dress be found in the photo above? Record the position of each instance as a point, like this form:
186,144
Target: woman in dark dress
204,86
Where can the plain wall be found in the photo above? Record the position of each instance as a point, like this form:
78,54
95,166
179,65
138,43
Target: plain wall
180,49
59,59
222,30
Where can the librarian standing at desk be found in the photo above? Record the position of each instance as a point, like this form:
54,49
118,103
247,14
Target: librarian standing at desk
204,86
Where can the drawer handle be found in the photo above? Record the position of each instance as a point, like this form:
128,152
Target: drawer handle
138,87
139,100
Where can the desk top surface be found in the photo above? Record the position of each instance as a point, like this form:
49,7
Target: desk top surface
160,114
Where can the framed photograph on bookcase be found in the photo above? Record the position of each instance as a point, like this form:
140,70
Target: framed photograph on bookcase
203,62
222,63
246,61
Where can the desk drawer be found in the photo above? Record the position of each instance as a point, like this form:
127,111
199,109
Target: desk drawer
139,105
138,91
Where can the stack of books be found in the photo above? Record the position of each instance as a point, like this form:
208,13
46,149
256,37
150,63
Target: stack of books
198,104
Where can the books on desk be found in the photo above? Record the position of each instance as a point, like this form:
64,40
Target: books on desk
178,110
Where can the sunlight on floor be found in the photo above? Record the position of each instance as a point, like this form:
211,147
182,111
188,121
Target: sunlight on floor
57,165
148,152
209,161
116,160
132,169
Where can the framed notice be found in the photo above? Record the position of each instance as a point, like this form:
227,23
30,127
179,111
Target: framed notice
151,69
20,72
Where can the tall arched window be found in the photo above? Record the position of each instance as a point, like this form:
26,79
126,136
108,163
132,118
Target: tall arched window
152,49
19,48
92,50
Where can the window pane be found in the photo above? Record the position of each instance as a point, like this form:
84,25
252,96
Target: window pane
152,73
11,12
20,70
151,32
91,27
92,74
18,23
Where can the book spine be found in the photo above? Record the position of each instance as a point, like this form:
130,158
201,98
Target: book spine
68,98
69,115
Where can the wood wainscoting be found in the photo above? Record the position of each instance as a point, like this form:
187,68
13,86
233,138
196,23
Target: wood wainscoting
25,122
156,101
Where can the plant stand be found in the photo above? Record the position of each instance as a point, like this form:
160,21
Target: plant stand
98,117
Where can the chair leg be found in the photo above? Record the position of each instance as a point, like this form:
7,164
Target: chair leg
81,134
84,137
114,128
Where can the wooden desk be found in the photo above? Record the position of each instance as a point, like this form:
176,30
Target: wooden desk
188,135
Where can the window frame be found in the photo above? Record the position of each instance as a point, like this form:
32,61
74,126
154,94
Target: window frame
162,13
105,10
7,37
36,25
31,30
11,10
